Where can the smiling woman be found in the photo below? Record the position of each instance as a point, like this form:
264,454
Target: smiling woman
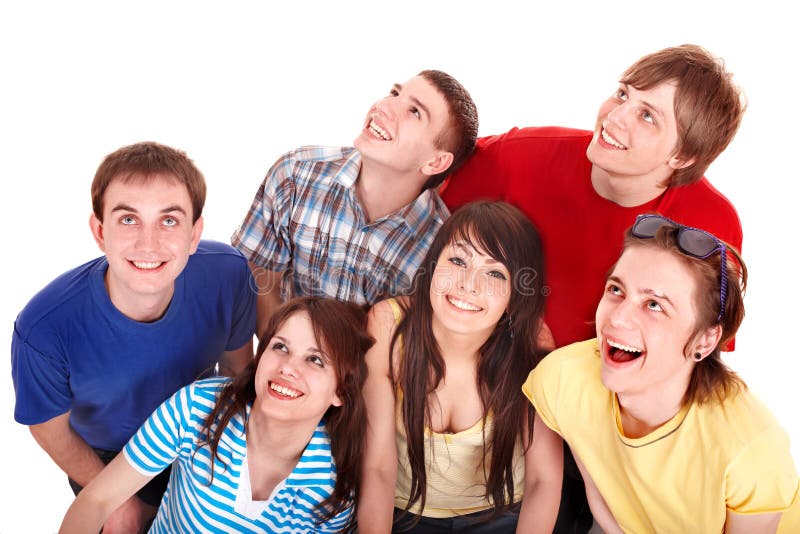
260,451
649,405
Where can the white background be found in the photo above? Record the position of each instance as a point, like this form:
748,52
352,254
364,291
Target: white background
235,84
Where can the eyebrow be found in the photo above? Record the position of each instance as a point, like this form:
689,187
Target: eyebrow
312,350
168,209
656,109
470,248
415,101
645,291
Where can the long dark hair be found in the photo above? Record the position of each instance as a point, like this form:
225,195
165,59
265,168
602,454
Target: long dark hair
503,232
341,328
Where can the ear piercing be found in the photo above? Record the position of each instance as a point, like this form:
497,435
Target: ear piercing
698,356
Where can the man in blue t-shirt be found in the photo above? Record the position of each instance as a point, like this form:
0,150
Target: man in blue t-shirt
103,345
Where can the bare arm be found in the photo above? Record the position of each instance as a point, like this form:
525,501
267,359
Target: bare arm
745,524
376,500
544,465
269,295
232,362
77,459
602,514
113,486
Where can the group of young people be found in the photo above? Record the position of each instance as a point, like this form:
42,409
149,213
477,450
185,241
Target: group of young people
545,358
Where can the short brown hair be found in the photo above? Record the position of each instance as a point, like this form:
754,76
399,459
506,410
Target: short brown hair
708,105
462,133
711,379
143,161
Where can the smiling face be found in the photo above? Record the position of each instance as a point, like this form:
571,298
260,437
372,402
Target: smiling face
644,321
401,129
636,134
469,291
295,378
147,236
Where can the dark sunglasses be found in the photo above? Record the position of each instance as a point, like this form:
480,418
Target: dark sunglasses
691,241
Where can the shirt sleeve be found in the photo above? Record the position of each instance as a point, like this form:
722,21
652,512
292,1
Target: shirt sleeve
41,382
483,176
243,323
158,442
542,387
263,236
763,478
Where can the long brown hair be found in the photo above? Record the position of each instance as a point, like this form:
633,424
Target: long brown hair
341,328
503,232
711,379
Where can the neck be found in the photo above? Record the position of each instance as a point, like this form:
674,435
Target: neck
144,309
282,443
627,191
643,412
382,191
456,346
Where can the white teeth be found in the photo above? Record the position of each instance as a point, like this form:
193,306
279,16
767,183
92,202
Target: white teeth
461,305
283,390
610,140
379,132
623,347
147,265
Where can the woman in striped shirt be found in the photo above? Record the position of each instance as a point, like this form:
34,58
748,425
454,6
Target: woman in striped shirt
277,449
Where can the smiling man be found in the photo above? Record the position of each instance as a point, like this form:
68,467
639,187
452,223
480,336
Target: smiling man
353,223
103,345
673,112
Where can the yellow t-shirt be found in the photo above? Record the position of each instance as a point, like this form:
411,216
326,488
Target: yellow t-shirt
455,463
683,476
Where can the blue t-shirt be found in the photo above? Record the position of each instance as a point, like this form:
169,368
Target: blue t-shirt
195,503
72,350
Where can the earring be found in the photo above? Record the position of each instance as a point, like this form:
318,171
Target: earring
510,326
698,356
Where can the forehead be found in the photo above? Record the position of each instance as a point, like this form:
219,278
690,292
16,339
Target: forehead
154,188
660,96
642,268
427,93
297,330
471,249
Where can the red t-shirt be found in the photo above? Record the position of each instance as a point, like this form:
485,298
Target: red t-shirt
545,172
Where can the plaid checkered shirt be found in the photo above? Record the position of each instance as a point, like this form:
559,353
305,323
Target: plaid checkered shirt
306,222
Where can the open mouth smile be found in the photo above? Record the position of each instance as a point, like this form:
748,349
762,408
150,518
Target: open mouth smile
285,392
620,353
378,132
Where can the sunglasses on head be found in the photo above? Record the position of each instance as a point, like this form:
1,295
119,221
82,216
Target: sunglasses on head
691,241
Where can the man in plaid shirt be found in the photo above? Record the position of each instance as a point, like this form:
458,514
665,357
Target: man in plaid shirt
354,223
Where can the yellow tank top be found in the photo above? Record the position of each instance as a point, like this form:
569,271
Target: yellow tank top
455,466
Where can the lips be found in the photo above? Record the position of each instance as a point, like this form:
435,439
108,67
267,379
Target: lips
284,391
621,353
611,140
147,265
377,131
463,305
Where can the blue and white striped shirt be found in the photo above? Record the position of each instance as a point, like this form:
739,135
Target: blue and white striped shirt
191,505
306,222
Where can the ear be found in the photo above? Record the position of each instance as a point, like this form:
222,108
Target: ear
197,231
96,225
437,164
675,162
707,340
336,401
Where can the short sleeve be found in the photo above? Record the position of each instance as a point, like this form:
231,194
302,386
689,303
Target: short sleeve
470,181
263,236
763,478
157,443
243,324
542,388
41,382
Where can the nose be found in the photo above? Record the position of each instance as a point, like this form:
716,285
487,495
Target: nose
617,115
387,107
469,281
288,368
621,315
147,238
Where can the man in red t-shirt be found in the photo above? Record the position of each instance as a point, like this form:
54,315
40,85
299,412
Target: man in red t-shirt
673,113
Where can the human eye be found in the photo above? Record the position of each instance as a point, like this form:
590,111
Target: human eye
279,346
316,360
621,94
414,111
652,305
455,260
170,221
613,289
500,275
393,92
648,117
127,220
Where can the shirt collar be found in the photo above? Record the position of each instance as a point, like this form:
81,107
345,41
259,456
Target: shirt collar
315,463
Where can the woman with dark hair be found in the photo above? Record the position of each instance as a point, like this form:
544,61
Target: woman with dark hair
667,437
450,441
277,449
